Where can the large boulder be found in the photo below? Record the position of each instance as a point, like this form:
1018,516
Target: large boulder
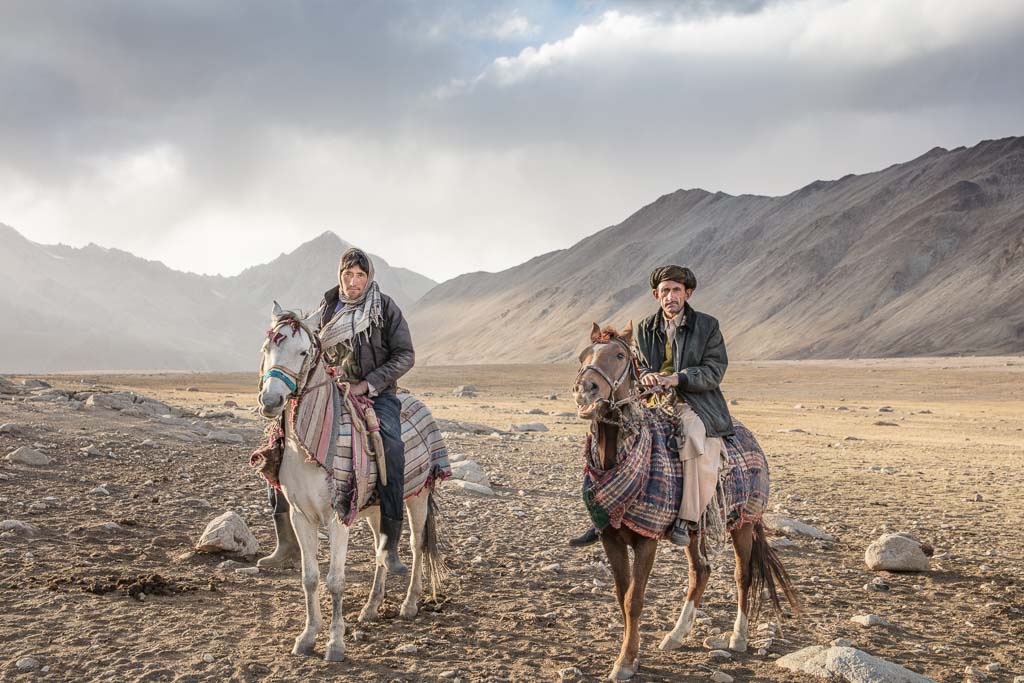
28,456
848,664
469,470
132,403
469,487
897,553
228,534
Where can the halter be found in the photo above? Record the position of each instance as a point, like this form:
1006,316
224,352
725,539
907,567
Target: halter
628,371
292,379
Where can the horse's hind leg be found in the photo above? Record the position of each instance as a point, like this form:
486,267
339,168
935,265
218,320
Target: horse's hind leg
742,542
371,609
417,507
699,573
305,532
336,588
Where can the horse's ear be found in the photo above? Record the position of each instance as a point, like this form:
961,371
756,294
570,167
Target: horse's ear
595,333
278,311
627,334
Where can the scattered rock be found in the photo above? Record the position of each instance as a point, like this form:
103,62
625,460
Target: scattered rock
552,396
91,450
847,664
228,533
230,404
535,411
975,673
570,673
8,428
23,528
721,655
869,620
469,487
225,437
251,571
465,391
896,552
842,642
99,491
885,409
467,427
794,526
193,389
406,649
716,642
27,456
209,659
799,406
469,470
734,402
26,664
529,427
34,384
721,677
883,423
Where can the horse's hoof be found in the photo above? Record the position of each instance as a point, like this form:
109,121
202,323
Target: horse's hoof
738,644
368,615
668,643
335,652
302,649
408,611
623,672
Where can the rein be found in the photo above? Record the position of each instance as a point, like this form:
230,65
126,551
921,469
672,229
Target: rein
629,371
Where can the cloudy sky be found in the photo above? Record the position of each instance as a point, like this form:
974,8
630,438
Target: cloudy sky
465,135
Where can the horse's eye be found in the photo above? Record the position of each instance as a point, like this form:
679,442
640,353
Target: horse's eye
304,353
621,356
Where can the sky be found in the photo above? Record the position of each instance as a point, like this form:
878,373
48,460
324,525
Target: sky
451,137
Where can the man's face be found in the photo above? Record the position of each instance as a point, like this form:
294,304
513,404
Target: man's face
671,296
353,282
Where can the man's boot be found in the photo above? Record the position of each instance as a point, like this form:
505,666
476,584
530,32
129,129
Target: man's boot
680,533
588,537
287,553
392,529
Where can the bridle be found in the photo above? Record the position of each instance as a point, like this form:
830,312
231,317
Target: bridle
295,381
628,371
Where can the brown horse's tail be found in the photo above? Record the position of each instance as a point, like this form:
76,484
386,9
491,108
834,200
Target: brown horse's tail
434,545
768,574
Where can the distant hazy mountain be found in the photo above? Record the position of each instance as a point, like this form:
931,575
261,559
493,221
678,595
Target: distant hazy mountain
924,257
94,308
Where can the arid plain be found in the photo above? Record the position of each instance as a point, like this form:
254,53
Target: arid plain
933,447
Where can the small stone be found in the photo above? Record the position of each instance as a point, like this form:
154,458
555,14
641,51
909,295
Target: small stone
733,402
721,677
723,655
551,568
230,404
978,498
99,491
224,437
406,649
91,449
885,409
451,673
8,428
192,389
209,659
869,620
528,427
28,456
228,533
18,527
27,664
842,642
569,673
799,406
358,635
251,571
975,673
716,643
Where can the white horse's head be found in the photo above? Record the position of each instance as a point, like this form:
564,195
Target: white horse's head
288,354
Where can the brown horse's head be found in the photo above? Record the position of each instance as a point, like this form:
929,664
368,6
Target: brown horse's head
606,371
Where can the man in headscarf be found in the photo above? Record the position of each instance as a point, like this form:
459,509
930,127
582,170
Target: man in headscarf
366,339
683,351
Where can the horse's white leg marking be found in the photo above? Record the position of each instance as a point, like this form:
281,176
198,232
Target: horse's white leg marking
674,640
336,587
305,531
376,597
417,510
738,640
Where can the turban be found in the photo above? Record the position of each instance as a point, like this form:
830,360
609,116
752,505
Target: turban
683,276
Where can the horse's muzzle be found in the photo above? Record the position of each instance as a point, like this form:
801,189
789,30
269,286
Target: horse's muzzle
272,409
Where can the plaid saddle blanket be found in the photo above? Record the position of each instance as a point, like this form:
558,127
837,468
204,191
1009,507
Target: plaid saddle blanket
330,434
643,490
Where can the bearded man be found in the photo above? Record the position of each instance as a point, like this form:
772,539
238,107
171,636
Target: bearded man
366,340
682,351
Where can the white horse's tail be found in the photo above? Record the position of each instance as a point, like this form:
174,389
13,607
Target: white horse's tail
434,545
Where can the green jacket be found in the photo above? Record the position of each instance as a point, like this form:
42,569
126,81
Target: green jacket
698,357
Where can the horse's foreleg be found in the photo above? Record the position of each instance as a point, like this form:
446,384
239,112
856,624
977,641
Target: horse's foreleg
698,581
618,559
742,542
305,532
643,562
373,601
417,509
336,587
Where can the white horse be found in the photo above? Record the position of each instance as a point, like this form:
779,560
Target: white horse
289,359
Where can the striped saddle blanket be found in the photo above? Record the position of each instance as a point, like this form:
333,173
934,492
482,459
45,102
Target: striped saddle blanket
643,490
329,434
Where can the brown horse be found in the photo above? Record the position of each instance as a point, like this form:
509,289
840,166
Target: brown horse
606,391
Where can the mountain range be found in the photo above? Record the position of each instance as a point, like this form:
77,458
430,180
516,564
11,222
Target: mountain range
921,258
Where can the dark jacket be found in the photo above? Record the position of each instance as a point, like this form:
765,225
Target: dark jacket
698,356
388,353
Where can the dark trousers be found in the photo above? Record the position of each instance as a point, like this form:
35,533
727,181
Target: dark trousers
389,412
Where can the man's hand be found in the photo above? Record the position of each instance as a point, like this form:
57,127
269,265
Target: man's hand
669,381
360,388
650,380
